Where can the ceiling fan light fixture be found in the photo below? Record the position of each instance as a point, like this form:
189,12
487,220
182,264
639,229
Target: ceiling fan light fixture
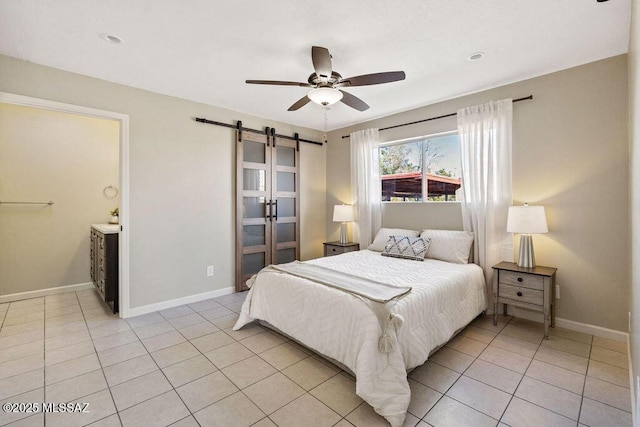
325,96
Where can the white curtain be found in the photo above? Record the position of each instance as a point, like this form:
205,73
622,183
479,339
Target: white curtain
366,189
485,144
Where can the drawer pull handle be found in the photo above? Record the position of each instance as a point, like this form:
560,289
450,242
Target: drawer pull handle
519,279
519,294
334,249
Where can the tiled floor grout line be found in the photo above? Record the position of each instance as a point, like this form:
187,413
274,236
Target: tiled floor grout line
489,385
241,390
101,367
4,315
584,385
513,395
256,354
163,373
268,416
169,321
523,376
461,374
202,354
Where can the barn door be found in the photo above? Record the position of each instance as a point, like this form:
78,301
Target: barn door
285,189
268,202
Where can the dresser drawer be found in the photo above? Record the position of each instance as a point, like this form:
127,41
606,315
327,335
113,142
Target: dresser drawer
522,280
517,293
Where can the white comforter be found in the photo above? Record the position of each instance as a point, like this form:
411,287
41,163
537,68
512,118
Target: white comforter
444,298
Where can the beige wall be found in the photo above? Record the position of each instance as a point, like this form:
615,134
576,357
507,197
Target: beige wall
182,187
570,154
634,139
65,158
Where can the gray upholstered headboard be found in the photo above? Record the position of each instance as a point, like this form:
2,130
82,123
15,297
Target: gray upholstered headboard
418,216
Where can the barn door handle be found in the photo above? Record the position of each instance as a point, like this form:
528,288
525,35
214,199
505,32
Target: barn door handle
267,213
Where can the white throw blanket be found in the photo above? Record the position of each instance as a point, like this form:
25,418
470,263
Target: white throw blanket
444,298
379,297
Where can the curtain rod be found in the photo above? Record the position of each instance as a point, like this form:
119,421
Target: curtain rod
435,118
293,138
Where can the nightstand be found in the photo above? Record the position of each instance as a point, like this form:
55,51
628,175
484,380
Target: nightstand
337,248
532,288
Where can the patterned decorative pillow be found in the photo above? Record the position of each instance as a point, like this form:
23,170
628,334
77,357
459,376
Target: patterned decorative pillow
405,247
383,235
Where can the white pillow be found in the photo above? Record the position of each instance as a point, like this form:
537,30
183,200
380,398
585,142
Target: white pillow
449,245
383,235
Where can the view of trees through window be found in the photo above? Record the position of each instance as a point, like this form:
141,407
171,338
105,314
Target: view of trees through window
421,169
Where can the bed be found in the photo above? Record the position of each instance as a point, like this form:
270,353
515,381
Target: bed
444,298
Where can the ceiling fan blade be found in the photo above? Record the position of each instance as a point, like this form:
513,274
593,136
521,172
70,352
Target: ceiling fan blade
277,83
300,103
373,79
321,62
354,101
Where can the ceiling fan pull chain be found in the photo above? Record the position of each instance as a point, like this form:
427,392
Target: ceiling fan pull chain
325,124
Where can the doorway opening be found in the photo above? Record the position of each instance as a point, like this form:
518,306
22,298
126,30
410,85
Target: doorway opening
122,184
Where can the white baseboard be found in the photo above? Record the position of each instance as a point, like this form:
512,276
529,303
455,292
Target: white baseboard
597,331
585,328
44,292
633,386
150,308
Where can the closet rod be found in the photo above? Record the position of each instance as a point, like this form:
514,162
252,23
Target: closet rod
434,118
27,203
293,138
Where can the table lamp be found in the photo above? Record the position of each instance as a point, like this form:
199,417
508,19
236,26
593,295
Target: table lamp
526,220
343,214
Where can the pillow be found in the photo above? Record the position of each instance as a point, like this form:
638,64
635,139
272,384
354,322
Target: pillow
383,235
406,247
449,245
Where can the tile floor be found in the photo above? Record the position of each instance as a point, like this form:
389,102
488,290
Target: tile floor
186,367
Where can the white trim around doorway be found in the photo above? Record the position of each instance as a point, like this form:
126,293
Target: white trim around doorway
10,98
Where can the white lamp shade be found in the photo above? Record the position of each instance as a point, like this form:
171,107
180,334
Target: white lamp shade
527,220
325,95
343,213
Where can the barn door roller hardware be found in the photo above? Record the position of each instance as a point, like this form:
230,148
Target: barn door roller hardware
241,129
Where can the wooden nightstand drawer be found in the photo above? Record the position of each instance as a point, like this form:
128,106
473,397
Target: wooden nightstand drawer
337,248
523,280
516,293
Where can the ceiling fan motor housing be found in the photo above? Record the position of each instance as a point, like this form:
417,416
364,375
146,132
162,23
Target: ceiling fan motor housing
316,81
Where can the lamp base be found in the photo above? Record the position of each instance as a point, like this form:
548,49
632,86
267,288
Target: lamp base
343,234
526,257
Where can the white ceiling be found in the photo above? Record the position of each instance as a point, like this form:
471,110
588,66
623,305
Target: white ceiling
204,50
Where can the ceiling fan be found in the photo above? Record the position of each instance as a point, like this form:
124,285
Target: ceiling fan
326,83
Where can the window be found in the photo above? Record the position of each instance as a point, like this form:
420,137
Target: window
421,169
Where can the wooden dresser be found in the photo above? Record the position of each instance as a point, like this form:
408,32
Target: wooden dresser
104,262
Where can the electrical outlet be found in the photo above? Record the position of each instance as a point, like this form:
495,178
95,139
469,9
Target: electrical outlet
210,271
557,291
